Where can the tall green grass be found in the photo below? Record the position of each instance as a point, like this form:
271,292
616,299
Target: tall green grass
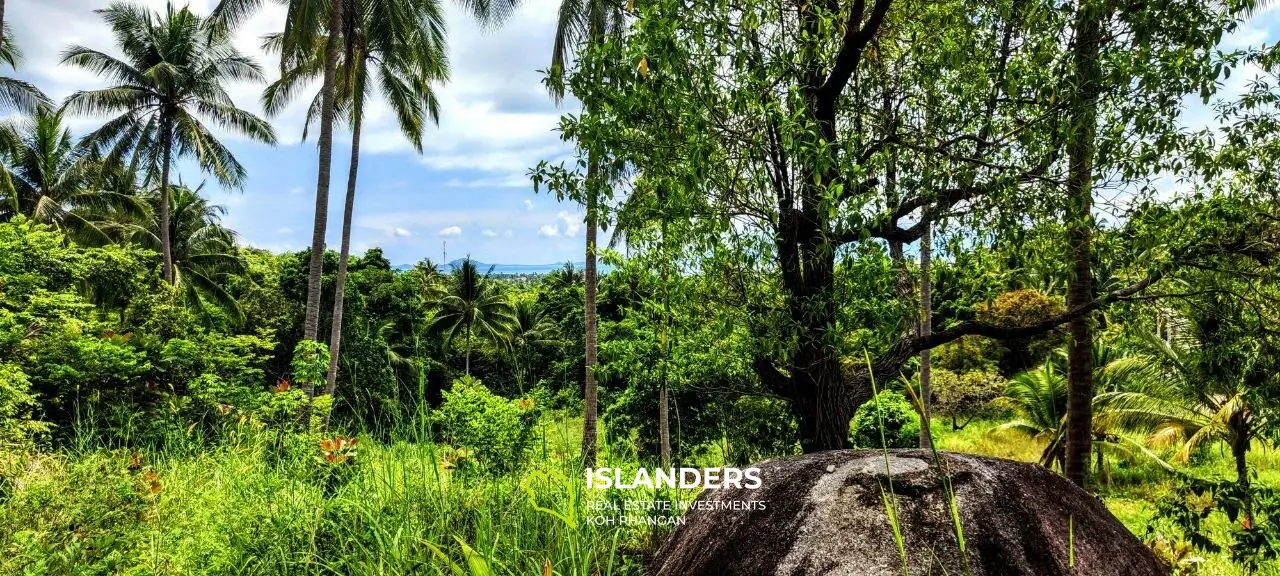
259,502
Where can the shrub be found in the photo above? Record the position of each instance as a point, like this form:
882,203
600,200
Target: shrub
279,409
1023,308
759,428
310,363
969,353
497,431
962,396
888,410
17,428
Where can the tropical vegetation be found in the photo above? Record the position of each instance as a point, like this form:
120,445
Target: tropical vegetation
873,225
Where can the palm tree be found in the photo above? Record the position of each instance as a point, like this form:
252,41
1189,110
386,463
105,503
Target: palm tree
303,25
564,277
50,179
474,305
16,94
1040,397
1182,404
529,328
204,251
582,22
397,48
170,80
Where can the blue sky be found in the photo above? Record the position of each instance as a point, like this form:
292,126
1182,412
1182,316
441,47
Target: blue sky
468,189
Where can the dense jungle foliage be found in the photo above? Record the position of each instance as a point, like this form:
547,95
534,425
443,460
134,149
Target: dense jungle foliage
976,226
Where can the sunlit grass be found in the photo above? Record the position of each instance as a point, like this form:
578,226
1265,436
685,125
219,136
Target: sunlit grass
1135,484
255,506
258,503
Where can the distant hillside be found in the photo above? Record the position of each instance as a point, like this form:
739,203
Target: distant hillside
508,268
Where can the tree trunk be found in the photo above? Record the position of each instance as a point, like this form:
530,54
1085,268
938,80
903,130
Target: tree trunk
818,393
311,325
664,427
1080,152
467,352
340,286
166,202
818,387
590,406
1240,435
822,412
664,423
926,328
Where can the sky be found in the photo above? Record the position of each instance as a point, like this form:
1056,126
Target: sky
468,193
468,189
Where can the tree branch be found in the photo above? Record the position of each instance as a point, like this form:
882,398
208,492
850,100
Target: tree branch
855,41
888,366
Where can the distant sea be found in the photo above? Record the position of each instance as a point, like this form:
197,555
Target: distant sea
514,269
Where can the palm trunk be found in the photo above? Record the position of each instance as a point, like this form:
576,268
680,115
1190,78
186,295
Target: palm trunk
590,407
1080,152
1,21
311,325
664,424
926,328
166,238
467,353
1240,435
340,287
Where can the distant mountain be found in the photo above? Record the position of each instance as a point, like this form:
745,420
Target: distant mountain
506,268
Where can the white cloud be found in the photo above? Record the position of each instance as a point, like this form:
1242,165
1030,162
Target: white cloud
296,190
283,231
548,231
507,233
401,232
450,232
528,204
495,117
489,233
572,223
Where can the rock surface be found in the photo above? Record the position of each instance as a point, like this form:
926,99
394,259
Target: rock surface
825,515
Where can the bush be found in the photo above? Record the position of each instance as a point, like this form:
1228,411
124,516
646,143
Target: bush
759,428
888,410
1022,308
17,428
969,353
963,396
494,430
310,363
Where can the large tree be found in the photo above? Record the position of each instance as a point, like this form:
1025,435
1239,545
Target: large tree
1082,117
169,83
777,114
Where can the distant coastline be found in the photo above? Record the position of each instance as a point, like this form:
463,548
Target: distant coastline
508,269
